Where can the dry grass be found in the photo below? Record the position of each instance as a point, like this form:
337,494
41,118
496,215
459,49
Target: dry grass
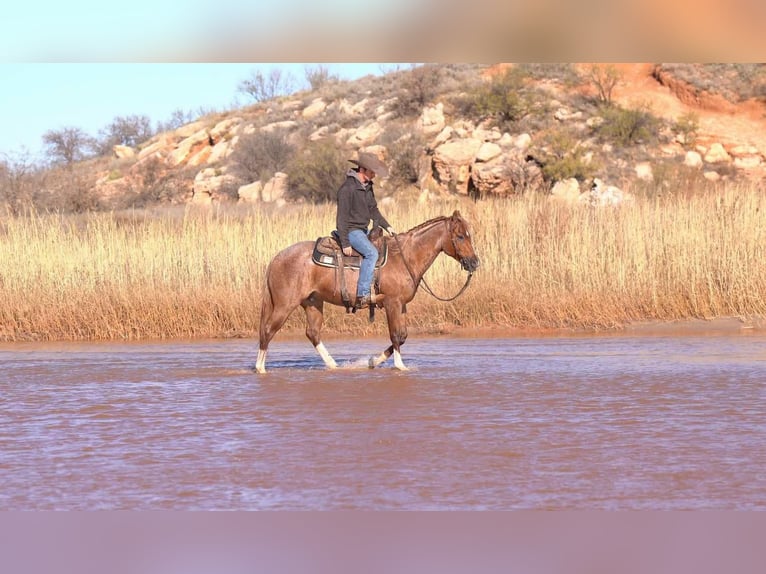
197,273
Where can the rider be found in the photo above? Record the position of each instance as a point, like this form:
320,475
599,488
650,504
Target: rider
356,207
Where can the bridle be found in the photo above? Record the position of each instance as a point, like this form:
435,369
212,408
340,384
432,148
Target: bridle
423,284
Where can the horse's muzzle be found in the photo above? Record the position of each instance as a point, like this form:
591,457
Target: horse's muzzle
470,264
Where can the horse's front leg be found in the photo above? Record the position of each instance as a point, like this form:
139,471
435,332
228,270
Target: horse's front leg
314,318
396,316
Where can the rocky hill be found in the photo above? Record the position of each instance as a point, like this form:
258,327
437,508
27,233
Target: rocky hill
452,129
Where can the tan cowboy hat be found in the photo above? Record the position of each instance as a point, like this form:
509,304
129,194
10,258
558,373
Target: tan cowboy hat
372,162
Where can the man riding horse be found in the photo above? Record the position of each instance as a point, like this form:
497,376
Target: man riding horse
356,208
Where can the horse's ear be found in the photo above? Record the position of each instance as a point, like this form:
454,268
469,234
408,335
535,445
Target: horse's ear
456,215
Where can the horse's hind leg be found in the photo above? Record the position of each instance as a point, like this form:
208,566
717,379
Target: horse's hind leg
272,320
314,319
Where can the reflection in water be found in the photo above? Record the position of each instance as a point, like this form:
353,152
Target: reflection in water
553,423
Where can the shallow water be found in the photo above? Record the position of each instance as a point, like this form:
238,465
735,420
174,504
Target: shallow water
615,422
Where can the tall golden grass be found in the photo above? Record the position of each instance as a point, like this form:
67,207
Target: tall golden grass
186,272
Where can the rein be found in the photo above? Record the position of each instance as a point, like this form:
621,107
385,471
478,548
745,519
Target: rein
424,285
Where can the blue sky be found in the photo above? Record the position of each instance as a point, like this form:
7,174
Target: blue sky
37,97
82,63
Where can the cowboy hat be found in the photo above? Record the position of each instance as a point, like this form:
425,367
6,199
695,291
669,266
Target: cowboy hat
372,162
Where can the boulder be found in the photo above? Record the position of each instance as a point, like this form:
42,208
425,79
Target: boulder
432,119
717,154
314,108
123,151
452,162
566,191
693,159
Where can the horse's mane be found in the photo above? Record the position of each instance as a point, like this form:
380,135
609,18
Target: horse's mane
428,223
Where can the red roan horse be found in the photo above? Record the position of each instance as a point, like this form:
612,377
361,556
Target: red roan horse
292,279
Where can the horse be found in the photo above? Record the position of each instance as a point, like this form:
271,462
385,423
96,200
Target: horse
292,279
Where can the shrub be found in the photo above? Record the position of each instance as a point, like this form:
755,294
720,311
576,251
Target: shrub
505,98
18,182
316,173
405,152
124,130
626,127
687,127
605,78
563,156
319,76
418,88
67,145
259,155
262,87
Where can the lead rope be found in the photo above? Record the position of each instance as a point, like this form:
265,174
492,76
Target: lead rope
424,285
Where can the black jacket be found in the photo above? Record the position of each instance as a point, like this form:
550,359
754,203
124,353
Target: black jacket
356,207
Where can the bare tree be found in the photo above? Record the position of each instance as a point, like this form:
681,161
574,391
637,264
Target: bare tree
319,75
177,119
262,87
67,145
124,130
605,77
17,182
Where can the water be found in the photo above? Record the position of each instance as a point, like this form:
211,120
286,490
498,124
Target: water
614,422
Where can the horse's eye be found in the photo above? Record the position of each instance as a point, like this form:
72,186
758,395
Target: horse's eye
460,238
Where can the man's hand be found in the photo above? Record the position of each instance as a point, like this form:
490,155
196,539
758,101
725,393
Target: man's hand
390,230
348,251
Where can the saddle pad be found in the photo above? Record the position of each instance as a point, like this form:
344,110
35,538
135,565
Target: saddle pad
327,250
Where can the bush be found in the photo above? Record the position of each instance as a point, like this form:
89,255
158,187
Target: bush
319,76
505,98
262,87
605,78
564,156
687,127
625,127
405,152
418,88
67,145
19,179
124,130
259,155
316,173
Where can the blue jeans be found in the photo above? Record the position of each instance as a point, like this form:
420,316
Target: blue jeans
358,240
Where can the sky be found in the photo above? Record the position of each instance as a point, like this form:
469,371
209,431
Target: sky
82,63
38,97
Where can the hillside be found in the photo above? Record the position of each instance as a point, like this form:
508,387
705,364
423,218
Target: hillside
445,129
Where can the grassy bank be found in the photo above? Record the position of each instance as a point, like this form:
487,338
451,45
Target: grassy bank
197,273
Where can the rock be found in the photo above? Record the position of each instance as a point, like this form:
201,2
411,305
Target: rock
717,154
491,179
602,195
432,119
275,188
284,125
207,185
522,141
365,135
566,191
314,108
123,151
250,193
712,175
693,159
644,171
488,151
452,163
747,162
